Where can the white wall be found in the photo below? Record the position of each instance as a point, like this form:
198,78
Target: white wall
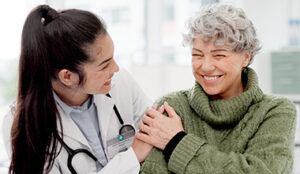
157,80
270,17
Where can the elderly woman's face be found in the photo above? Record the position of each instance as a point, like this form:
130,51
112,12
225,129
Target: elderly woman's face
218,69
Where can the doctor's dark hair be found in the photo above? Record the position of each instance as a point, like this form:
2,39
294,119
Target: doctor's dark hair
51,41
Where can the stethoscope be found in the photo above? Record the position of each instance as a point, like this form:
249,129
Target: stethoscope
71,152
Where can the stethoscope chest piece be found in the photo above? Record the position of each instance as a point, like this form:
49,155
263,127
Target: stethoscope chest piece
120,137
125,131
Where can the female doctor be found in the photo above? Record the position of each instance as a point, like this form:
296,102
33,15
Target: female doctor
76,112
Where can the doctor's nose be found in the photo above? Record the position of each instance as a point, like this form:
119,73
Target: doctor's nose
115,67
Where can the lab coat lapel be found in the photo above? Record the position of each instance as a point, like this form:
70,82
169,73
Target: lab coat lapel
104,108
71,130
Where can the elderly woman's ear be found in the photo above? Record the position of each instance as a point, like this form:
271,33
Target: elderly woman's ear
247,58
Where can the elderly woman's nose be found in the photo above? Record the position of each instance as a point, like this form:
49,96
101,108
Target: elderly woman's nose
207,64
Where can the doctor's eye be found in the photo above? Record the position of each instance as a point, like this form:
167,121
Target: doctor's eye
106,66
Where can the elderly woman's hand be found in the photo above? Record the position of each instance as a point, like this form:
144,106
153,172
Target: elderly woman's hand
157,129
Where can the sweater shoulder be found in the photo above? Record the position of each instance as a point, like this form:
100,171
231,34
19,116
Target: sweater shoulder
279,102
177,98
279,105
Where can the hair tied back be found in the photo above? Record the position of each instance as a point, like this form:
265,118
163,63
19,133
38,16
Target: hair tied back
48,14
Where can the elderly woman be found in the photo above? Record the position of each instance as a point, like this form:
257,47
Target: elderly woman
228,124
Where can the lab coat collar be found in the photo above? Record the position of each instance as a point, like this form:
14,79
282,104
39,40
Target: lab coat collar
70,129
68,109
105,106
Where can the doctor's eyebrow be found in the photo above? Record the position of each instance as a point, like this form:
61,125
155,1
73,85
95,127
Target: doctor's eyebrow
107,60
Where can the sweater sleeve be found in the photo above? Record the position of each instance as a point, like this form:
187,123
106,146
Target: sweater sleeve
270,150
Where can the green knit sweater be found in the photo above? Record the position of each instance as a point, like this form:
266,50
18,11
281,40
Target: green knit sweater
250,133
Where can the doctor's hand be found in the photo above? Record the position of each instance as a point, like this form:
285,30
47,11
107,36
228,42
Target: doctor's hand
158,129
141,149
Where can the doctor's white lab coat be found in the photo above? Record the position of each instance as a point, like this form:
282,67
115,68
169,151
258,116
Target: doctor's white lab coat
131,103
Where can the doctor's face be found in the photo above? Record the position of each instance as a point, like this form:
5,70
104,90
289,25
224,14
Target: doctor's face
101,67
218,69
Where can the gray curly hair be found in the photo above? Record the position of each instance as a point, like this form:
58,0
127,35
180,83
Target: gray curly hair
229,25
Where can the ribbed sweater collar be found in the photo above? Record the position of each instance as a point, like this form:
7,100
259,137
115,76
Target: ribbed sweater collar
226,111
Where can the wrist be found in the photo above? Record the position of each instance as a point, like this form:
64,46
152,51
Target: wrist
171,145
173,134
136,153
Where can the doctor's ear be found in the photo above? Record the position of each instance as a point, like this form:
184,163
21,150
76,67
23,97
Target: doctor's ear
68,77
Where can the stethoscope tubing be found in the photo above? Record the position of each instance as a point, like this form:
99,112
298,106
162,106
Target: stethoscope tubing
71,152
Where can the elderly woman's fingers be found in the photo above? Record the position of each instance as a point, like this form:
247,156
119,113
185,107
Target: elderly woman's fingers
144,137
161,109
154,106
145,128
152,113
171,112
147,120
